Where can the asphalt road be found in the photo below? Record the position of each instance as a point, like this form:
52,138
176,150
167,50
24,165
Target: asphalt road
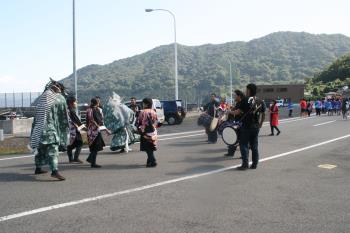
194,188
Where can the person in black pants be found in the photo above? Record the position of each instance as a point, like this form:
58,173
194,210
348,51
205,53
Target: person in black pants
147,123
253,116
239,96
94,121
211,109
75,139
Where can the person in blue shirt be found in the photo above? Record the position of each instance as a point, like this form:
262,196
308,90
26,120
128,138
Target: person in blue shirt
318,107
329,107
333,107
337,107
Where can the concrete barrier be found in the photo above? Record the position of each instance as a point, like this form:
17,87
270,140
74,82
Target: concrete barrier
17,127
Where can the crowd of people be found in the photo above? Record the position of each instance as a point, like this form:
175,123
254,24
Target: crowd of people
249,111
334,106
56,118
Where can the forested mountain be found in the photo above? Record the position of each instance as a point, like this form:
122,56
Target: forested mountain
334,77
281,57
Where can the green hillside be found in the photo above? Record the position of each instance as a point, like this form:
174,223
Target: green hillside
335,76
282,57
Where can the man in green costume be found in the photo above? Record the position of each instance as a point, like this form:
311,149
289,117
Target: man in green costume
120,120
50,128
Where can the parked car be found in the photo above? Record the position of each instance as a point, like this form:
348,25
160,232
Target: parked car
157,106
173,111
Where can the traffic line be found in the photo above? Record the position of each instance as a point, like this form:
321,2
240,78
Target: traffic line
18,157
182,133
146,187
324,123
187,136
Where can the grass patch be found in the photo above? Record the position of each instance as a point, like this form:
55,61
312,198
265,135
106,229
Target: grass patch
14,145
12,150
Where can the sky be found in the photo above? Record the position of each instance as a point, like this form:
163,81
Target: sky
36,35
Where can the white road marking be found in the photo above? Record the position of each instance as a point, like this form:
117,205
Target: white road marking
297,119
175,134
327,166
133,190
324,123
187,136
18,157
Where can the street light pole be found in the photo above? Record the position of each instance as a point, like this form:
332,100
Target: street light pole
231,82
74,61
175,48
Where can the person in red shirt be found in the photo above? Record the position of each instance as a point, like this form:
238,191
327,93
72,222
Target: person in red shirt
303,107
274,118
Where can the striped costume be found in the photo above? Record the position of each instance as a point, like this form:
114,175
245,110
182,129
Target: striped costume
49,129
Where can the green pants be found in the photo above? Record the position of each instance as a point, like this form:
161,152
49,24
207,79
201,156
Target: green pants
47,154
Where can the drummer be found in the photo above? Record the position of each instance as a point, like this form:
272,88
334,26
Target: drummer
239,96
253,116
211,109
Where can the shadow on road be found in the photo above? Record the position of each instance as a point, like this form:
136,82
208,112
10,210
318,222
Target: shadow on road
196,170
189,144
17,177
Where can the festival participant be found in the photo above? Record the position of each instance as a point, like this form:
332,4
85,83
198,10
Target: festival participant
50,128
274,118
147,123
333,109
253,116
327,106
318,107
303,107
223,104
309,107
120,120
75,125
239,96
99,103
323,106
211,109
290,108
344,108
135,107
338,106
94,121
